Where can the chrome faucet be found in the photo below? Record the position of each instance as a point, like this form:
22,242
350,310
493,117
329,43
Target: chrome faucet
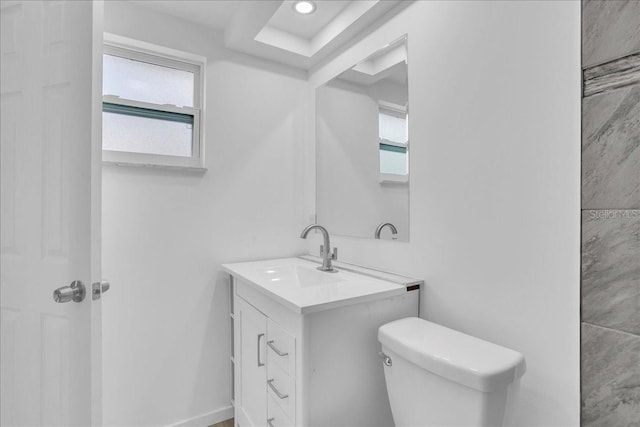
382,225
325,249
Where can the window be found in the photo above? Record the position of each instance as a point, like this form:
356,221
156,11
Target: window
151,105
393,134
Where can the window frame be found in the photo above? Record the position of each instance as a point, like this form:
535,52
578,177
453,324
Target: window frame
392,109
165,57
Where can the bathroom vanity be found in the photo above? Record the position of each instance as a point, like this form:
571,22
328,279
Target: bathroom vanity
304,349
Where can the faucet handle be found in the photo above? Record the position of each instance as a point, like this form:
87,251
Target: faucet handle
333,255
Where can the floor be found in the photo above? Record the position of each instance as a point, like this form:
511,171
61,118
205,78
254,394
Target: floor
227,423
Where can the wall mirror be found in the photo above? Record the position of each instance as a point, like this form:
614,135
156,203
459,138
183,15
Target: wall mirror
362,143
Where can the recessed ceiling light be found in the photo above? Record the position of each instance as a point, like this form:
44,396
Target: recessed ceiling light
304,7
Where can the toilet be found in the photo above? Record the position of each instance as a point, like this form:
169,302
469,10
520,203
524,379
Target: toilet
437,376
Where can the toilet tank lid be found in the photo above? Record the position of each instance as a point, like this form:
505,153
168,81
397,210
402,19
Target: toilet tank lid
453,355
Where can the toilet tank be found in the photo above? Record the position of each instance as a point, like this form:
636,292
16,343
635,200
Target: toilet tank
441,377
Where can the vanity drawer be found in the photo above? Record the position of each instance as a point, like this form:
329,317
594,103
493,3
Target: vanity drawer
276,416
281,348
282,389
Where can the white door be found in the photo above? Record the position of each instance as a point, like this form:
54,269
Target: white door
50,193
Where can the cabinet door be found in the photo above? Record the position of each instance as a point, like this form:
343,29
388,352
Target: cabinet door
252,399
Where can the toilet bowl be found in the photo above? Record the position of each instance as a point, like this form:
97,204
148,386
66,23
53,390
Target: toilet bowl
437,376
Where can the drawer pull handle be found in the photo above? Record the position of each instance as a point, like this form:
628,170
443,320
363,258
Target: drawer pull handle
276,391
260,364
274,348
270,422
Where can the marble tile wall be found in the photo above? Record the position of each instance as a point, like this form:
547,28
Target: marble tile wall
611,269
610,30
611,149
610,343
612,75
610,375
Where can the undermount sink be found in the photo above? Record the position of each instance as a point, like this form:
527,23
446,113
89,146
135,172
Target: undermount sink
297,284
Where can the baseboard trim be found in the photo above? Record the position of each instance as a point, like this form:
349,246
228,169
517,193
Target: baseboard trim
207,419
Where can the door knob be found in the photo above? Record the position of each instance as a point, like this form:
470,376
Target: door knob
98,288
74,292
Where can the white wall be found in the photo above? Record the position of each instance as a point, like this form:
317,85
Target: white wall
348,159
165,233
494,93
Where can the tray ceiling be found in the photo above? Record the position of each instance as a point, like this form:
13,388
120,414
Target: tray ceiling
272,30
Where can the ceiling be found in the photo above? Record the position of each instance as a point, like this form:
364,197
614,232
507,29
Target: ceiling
387,64
213,14
271,29
306,26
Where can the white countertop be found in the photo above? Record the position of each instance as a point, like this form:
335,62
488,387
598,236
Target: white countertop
299,286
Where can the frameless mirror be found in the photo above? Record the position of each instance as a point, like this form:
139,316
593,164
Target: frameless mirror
362,144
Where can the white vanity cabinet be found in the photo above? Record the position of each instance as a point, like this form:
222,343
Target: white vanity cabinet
305,359
265,364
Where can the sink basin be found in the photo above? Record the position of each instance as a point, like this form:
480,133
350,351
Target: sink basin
298,285
293,274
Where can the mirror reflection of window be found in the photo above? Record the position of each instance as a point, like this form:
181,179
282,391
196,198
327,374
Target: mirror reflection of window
393,122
